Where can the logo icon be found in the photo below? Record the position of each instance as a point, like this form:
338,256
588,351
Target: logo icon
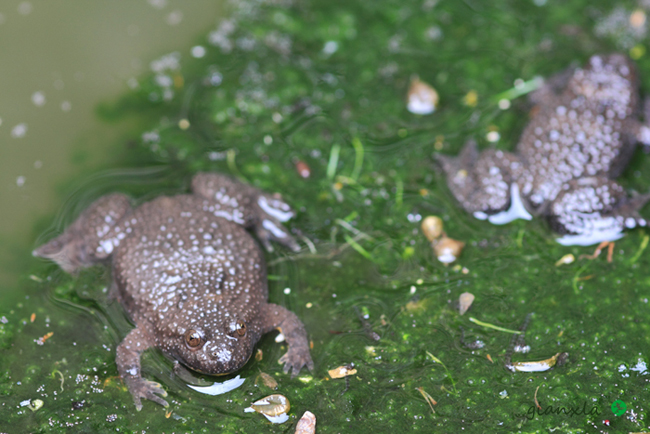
618,407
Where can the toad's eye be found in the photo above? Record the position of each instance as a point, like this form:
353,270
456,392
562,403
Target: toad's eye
241,328
193,338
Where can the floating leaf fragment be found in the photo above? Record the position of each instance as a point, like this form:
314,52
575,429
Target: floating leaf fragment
465,302
541,366
306,424
422,99
447,250
432,227
274,407
342,371
566,259
220,388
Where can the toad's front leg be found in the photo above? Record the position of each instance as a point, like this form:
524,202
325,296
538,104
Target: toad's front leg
277,317
128,366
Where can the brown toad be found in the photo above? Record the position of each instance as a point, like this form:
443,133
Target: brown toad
189,275
580,139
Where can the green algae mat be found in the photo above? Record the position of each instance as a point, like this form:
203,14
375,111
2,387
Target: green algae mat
309,99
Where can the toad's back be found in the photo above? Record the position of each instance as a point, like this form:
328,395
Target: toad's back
582,131
181,263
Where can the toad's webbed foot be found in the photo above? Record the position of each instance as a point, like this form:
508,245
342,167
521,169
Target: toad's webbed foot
277,317
142,388
295,359
593,210
92,237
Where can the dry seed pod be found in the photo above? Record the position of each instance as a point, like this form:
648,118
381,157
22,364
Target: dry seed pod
306,424
267,380
541,366
432,227
447,250
422,98
342,371
465,302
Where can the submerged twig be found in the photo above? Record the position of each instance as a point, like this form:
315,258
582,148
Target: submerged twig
56,371
356,246
354,230
333,161
399,192
367,328
230,159
517,341
492,326
520,89
427,398
358,160
642,247
437,360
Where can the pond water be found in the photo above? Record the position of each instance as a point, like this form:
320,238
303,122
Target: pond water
279,86
59,60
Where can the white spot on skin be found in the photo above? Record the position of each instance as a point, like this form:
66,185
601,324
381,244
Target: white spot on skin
270,226
107,246
173,279
224,355
282,216
591,238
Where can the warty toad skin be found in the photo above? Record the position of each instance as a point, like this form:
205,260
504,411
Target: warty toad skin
189,275
577,142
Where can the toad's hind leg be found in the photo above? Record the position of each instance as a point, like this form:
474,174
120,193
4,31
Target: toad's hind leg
92,237
247,206
593,210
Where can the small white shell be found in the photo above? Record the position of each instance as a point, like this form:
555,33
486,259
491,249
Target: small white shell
432,227
465,302
274,407
306,424
447,250
422,98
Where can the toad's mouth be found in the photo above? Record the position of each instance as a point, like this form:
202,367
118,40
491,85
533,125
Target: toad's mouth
212,367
